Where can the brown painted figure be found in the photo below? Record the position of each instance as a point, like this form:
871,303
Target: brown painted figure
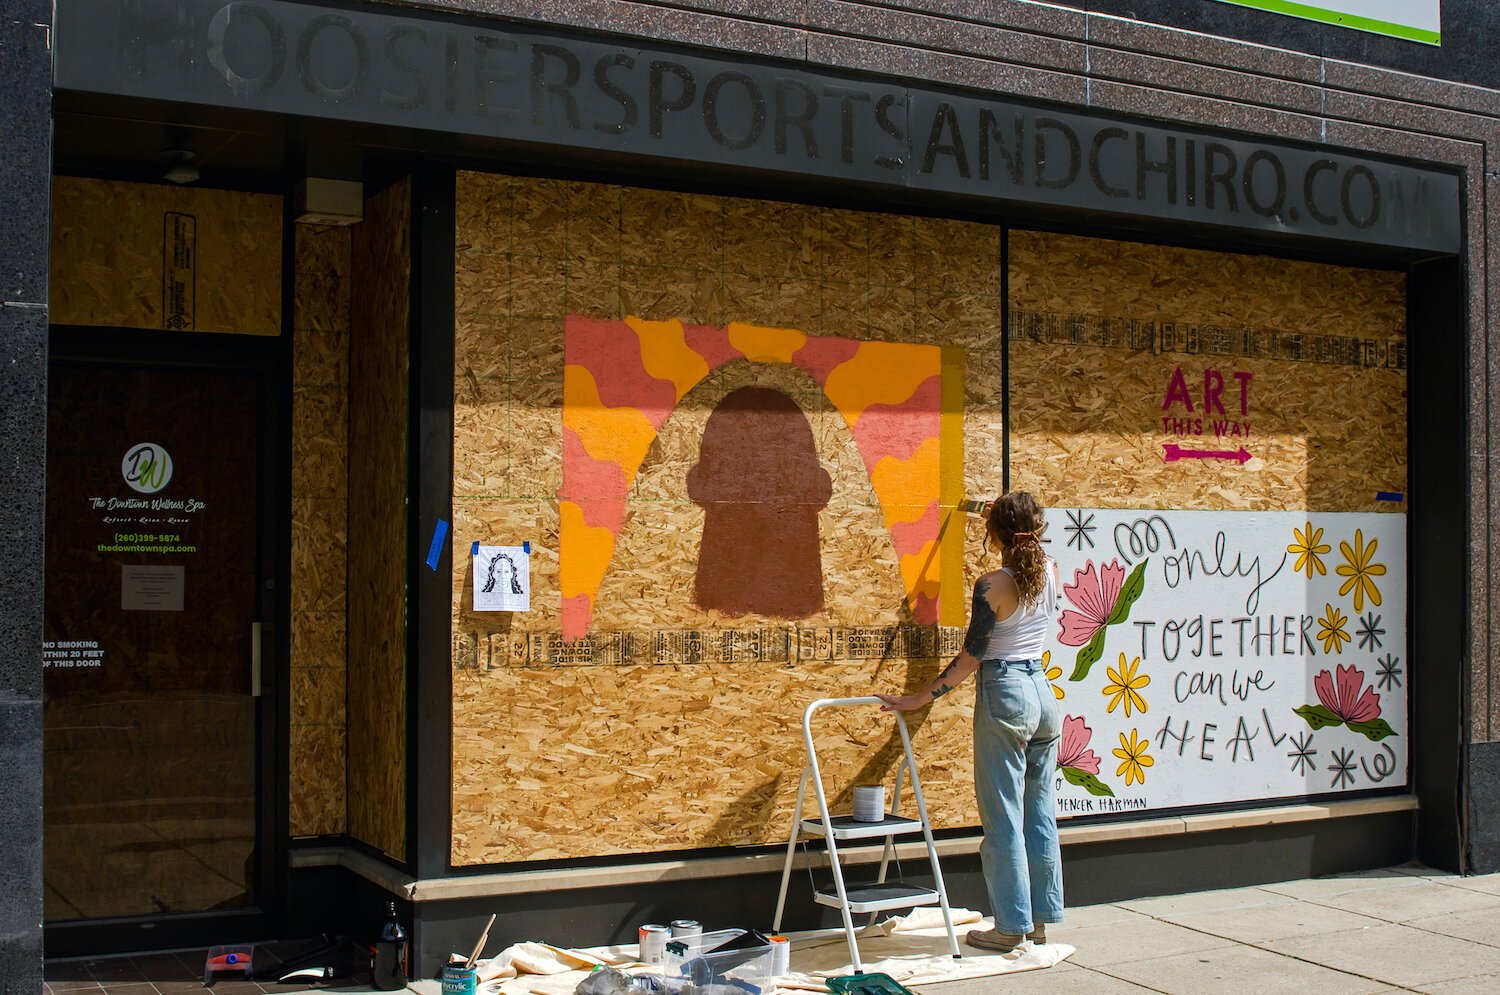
761,487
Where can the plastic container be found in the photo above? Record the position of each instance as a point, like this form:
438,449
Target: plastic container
701,959
229,960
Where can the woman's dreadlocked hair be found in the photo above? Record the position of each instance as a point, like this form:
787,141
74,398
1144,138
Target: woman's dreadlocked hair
1015,524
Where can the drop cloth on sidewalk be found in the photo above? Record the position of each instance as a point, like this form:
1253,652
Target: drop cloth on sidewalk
913,949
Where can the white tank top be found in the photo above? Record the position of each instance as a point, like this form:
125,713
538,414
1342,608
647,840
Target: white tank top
1022,635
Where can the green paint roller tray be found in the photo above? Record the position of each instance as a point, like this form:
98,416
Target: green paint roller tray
867,984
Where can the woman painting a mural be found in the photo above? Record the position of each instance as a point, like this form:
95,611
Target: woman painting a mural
1016,726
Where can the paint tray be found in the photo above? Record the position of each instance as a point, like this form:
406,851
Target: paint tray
867,984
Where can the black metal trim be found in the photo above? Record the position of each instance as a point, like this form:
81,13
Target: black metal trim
430,695
278,600
1438,530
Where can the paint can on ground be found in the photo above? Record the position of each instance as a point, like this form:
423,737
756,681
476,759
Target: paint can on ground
458,979
653,940
781,956
869,802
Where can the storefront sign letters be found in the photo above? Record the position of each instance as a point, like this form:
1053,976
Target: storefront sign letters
527,86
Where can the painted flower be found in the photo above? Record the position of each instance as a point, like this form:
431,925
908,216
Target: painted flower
1307,548
1053,673
1347,697
1331,629
1093,596
1074,750
1133,758
1124,686
1357,566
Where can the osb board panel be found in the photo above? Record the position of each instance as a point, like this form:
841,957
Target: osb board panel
321,301
380,296
533,252
1072,274
319,450
552,763
136,255
318,807
1306,361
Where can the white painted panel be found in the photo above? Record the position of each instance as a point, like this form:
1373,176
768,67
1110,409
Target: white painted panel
1232,632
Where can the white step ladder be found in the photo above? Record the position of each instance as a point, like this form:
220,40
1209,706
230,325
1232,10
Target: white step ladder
882,895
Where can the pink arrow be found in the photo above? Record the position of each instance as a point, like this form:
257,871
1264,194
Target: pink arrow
1176,452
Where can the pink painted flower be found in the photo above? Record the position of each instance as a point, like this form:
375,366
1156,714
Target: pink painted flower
1344,699
1093,596
1073,751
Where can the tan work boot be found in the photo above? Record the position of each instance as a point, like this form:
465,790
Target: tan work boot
1038,935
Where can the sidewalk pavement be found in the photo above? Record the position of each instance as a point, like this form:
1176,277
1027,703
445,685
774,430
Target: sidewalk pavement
1398,929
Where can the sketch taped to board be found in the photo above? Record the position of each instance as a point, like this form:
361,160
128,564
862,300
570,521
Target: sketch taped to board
502,579
1228,656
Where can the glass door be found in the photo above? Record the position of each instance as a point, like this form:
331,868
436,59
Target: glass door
152,662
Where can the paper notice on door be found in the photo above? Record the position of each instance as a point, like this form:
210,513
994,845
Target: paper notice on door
151,588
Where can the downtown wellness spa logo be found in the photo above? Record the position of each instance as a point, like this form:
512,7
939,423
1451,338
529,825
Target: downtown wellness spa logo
146,467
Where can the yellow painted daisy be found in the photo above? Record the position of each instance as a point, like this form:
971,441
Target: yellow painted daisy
1357,566
1307,548
1124,685
1331,629
1053,673
1133,758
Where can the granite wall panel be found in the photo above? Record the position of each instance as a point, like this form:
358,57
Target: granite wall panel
1128,98
1376,81
25,153
1205,80
946,34
1484,807
25,181
1484,696
955,70
1405,115
1465,54
649,20
1136,36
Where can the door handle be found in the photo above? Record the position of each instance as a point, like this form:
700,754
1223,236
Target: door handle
255,659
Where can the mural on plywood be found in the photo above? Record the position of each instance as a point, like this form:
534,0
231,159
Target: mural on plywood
1216,657
1231,539
757,477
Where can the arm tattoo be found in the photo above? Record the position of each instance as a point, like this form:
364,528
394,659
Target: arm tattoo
943,686
981,622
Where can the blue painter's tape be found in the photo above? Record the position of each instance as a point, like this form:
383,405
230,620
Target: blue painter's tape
1389,496
474,549
527,547
439,536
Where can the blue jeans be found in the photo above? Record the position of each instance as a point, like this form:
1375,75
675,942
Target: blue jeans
1016,728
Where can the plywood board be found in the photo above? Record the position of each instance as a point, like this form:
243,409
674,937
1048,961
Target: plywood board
137,255
320,475
378,365
1130,363
535,255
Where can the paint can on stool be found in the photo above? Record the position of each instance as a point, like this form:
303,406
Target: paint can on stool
457,979
869,803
